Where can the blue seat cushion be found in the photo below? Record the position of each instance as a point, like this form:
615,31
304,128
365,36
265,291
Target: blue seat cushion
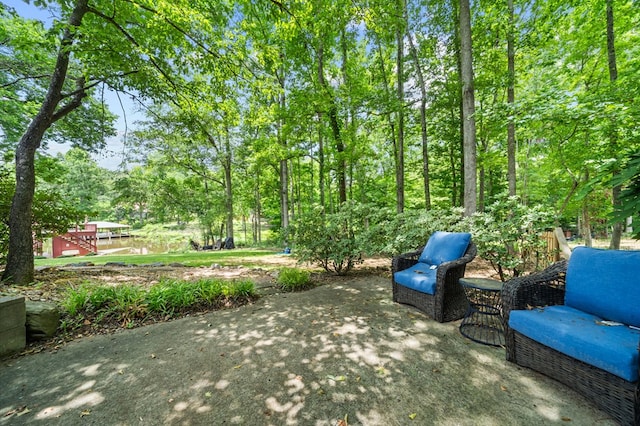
420,277
605,283
445,247
582,336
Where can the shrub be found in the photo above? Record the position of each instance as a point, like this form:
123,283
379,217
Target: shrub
329,239
509,235
394,233
292,279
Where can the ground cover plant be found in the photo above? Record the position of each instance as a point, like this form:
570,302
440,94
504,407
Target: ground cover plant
293,279
130,305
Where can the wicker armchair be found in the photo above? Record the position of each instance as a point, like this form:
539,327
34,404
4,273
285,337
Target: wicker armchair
612,394
449,302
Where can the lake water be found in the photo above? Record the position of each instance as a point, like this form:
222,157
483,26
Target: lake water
136,245
130,245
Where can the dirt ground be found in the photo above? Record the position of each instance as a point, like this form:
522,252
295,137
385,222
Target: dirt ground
339,354
52,281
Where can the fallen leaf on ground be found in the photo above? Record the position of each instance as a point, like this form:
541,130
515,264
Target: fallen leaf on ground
413,415
19,411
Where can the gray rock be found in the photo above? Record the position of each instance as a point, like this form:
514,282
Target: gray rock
43,319
12,329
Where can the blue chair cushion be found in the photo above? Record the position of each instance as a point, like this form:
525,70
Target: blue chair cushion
582,336
605,283
420,277
445,247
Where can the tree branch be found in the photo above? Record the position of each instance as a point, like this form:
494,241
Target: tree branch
30,77
75,102
133,41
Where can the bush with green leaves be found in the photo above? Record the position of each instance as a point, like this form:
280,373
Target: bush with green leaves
331,240
509,235
629,201
293,279
410,230
337,241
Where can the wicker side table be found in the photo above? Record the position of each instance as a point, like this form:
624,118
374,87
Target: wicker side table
483,321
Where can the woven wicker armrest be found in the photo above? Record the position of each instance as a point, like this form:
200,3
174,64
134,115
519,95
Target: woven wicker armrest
405,260
542,288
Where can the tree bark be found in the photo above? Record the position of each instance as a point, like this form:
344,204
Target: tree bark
19,269
511,127
468,110
400,95
423,120
336,132
228,186
284,171
616,235
321,166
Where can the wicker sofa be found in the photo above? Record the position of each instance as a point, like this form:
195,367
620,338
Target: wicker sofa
428,278
577,322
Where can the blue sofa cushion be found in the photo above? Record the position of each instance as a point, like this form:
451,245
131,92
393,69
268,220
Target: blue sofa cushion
605,283
420,277
582,336
445,247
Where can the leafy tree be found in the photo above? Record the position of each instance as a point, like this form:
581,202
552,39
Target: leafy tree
51,213
142,47
468,109
83,182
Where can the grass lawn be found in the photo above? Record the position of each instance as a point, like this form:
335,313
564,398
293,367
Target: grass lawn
246,257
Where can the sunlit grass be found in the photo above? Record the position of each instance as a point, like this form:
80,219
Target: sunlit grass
193,258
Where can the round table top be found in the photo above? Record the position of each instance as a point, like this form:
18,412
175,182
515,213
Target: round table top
482,283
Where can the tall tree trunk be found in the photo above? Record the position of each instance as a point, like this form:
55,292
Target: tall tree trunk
340,154
350,121
511,127
321,166
283,169
336,132
228,188
284,194
320,129
400,116
616,235
468,110
257,238
19,269
392,126
423,119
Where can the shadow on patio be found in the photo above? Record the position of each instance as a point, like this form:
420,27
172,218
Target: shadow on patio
341,351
